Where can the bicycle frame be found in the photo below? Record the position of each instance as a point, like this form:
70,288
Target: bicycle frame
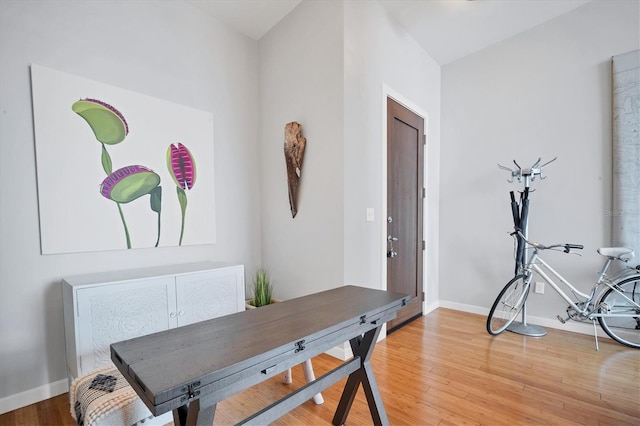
534,265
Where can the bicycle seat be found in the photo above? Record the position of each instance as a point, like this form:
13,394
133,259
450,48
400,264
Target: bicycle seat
621,253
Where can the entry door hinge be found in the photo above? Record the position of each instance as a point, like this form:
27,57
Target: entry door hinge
424,245
423,296
424,139
424,192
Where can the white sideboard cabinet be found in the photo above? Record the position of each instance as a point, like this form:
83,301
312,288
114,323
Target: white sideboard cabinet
100,309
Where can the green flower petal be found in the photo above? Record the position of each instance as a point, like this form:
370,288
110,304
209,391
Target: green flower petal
129,183
108,125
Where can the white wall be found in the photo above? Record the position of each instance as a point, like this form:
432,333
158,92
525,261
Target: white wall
164,49
301,67
327,65
543,93
380,57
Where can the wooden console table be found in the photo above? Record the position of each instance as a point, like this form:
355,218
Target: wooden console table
188,370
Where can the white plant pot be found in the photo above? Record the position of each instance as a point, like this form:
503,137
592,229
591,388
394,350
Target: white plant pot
248,305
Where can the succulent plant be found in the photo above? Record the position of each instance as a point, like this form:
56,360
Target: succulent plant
262,288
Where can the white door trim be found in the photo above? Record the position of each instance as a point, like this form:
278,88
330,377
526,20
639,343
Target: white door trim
388,92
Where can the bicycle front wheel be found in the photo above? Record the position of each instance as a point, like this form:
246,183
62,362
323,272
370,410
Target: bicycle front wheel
508,305
620,307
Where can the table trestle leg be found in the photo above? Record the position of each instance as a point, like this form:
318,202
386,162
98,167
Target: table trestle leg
193,414
300,396
362,346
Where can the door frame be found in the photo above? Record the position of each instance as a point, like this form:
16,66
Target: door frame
388,92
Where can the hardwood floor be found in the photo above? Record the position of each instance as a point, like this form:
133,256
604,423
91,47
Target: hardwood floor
444,369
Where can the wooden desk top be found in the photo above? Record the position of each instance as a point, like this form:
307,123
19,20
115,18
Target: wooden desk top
218,352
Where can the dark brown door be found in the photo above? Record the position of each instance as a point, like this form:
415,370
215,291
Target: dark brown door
405,165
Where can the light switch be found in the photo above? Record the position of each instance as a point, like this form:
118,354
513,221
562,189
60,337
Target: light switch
370,214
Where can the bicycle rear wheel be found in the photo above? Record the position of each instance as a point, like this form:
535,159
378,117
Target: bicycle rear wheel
508,305
623,329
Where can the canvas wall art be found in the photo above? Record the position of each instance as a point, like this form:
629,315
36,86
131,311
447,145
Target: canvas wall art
118,169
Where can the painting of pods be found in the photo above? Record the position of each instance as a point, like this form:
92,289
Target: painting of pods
108,160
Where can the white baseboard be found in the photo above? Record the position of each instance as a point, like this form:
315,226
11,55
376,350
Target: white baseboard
428,308
31,396
464,308
573,326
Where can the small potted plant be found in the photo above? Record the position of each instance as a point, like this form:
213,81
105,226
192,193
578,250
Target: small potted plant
262,290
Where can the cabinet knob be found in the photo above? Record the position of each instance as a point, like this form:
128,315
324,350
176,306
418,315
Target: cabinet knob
172,314
181,313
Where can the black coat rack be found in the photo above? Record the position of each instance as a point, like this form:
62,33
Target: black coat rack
520,213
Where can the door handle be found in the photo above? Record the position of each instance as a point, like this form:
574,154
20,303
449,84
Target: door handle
391,252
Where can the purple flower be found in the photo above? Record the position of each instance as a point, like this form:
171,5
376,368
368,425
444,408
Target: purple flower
181,165
128,183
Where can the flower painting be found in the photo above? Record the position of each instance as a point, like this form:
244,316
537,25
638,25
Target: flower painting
182,167
103,155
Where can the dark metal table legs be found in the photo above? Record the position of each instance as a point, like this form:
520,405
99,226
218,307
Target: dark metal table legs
362,346
194,415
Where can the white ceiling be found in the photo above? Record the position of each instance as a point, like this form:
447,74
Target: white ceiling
446,29
251,17
451,29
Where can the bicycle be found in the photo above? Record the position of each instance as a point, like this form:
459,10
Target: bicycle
614,301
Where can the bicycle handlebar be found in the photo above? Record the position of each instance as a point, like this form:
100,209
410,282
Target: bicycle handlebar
566,246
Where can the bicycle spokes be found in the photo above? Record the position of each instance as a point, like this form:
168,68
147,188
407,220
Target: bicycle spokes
620,312
508,305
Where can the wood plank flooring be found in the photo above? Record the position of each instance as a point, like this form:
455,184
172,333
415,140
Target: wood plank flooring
444,369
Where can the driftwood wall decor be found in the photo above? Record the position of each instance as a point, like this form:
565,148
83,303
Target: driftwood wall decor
294,144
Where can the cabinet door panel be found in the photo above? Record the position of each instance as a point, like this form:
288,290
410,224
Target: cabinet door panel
112,313
208,295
